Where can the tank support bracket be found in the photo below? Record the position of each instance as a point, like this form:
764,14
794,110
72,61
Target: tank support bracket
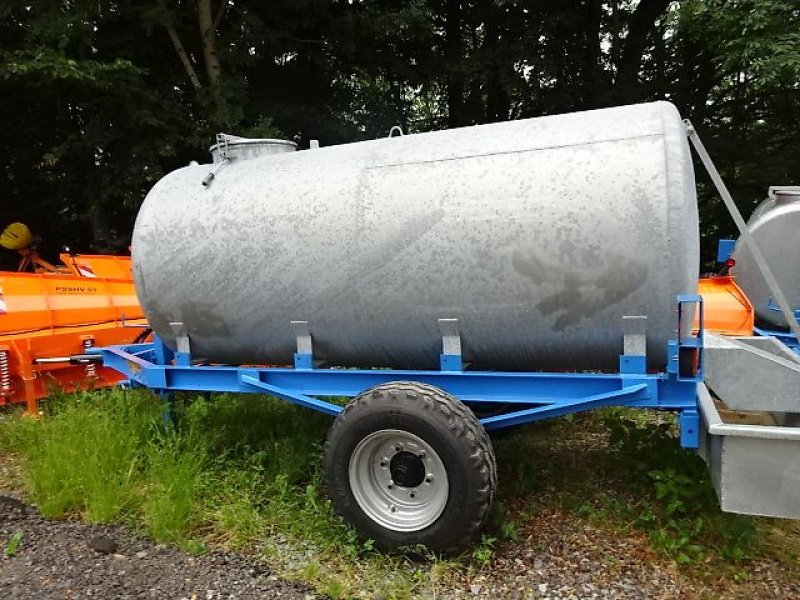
451,358
634,345
304,357
183,348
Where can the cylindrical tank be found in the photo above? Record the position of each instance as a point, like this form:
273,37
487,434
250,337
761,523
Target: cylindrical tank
775,226
538,235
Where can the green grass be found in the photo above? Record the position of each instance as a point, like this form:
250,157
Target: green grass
241,472
244,472
624,470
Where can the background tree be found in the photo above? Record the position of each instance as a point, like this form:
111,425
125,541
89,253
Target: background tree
103,97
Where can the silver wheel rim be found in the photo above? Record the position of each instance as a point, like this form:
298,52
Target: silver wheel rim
388,454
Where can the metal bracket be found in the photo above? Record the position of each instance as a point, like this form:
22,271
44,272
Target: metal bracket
685,360
183,348
451,357
689,421
125,325
304,357
725,249
634,345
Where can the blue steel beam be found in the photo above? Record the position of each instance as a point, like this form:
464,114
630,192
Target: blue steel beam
551,394
319,405
520,417
469,386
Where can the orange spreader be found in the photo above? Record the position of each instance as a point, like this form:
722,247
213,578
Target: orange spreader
726,310
56,314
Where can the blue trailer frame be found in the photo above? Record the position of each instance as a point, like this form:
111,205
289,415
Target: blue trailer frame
519,397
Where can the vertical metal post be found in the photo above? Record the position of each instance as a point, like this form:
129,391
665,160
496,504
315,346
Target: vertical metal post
747,238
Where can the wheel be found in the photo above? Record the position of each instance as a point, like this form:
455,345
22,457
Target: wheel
408,464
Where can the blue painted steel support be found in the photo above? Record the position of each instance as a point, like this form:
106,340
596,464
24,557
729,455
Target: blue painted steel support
450,362
162,354
538,395
303,360
632,364
319,405
531,396
725,250
168,404
519,417
785,337
690,428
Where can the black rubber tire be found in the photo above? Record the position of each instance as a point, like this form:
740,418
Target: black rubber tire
451,430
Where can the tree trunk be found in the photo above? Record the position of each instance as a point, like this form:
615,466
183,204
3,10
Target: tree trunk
208,40
453,60
640,25
183,56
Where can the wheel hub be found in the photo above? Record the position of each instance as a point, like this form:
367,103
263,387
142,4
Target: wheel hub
407,469
398,480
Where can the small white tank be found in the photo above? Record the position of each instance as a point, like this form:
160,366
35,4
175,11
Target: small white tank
775,226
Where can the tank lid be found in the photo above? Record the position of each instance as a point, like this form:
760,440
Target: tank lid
236,147
785,194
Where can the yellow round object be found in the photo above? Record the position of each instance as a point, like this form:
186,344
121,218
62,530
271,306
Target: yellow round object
16,237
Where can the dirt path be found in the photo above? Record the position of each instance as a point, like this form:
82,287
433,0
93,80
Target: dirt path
55,560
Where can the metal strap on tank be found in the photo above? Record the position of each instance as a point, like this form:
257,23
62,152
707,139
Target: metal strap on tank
747,237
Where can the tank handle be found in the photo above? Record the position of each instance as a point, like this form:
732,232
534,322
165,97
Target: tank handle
213,173
222,149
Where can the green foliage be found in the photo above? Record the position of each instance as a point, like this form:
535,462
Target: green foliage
674,503
102,105
243,472
13,545
86,456
484,552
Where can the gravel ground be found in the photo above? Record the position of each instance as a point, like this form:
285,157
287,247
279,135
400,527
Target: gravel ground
56,560
560,557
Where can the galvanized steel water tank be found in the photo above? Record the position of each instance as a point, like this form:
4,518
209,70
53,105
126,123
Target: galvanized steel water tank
775,226
538,235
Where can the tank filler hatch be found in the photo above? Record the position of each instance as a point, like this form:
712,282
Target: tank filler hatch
233,147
